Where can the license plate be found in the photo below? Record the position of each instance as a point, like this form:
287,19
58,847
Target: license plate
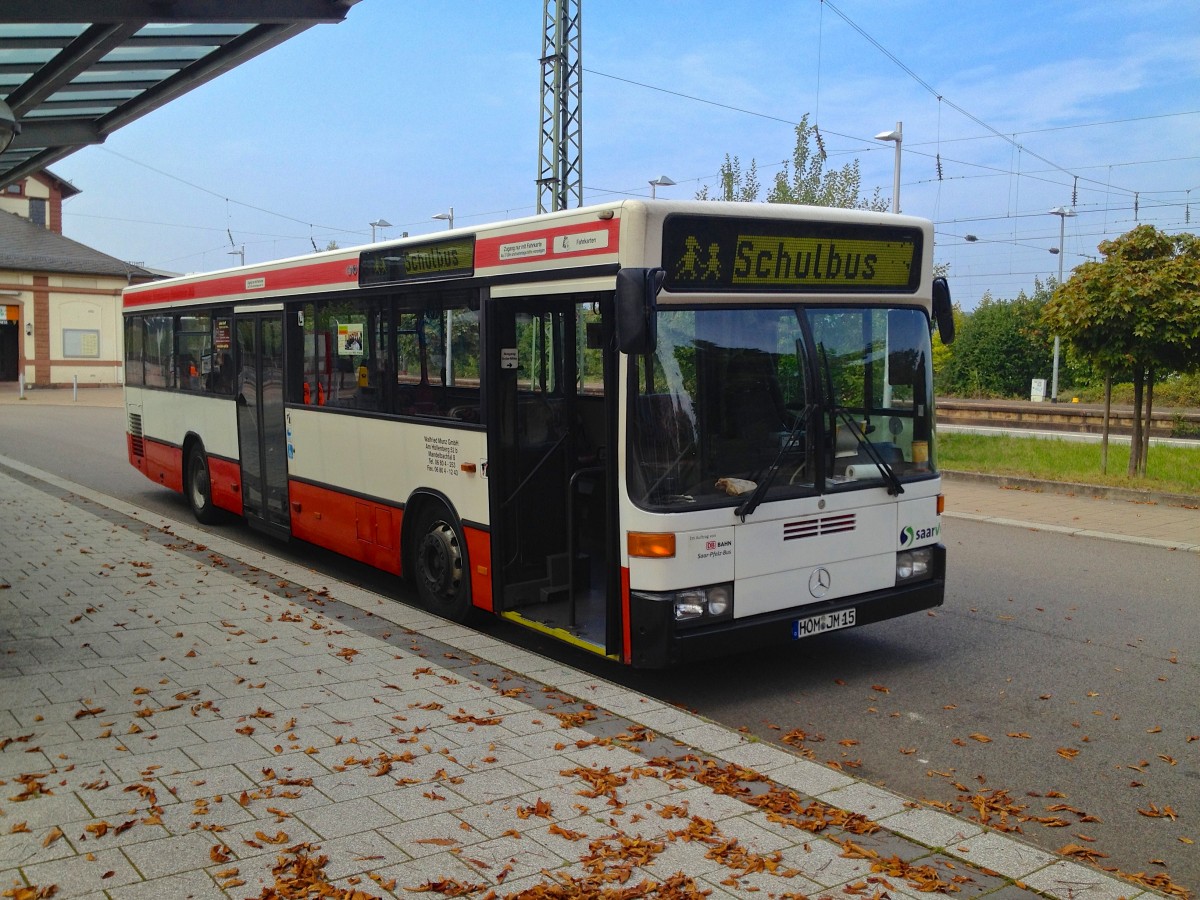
803,628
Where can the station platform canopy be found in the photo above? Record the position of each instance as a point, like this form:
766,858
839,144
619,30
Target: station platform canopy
74,71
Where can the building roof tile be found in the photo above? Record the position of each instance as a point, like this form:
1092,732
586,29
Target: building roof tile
28,247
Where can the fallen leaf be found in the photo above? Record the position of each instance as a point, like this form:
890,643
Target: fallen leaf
1154,812
1077,851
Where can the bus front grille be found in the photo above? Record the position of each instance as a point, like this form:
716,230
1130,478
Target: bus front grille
831,524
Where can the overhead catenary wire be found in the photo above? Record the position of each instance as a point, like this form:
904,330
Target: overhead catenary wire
938,160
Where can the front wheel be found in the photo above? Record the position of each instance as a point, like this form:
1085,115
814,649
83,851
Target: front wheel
440,565
199,487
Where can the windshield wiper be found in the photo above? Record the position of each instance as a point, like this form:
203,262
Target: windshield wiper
760,491
889,475
894,486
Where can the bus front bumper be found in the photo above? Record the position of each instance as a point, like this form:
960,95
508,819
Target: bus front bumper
659,643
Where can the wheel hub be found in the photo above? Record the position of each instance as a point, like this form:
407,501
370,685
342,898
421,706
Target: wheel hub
441,560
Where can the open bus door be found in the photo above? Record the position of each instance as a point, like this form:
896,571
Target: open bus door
262,427
552,434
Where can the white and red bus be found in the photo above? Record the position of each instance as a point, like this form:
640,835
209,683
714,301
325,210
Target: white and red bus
656,430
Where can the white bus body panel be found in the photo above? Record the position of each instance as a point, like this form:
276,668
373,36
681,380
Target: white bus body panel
367,456
169,416
771,556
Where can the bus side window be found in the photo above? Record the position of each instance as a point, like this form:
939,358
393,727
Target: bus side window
437,357
160,341
135,372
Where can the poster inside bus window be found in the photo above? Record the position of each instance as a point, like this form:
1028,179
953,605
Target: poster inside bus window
716,253
350,338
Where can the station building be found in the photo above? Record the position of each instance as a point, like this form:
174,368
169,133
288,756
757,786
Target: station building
60,301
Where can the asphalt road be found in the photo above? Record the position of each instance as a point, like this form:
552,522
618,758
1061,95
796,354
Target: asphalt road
1054,693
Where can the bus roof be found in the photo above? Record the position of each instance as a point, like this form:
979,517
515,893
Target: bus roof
561,243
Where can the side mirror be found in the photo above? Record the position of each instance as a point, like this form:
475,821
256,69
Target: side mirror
637,307
943,310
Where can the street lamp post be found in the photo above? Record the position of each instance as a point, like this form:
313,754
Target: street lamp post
660,181
447,216
898,137
379,223
1063,213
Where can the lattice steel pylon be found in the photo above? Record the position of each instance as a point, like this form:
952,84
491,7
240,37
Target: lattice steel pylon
560,157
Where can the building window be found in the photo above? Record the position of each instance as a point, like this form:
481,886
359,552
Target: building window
37,211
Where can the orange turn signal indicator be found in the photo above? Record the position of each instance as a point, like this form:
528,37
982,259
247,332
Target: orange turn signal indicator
941,504
651,545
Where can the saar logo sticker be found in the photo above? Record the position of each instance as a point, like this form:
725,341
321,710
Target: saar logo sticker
910,535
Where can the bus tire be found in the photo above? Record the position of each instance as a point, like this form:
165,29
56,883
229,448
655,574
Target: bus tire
198,487
440,564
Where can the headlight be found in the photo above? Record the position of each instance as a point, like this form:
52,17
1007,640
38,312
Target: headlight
689,605
914,565
921,561
700,605
718,600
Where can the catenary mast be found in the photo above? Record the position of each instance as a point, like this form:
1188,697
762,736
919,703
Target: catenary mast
560,157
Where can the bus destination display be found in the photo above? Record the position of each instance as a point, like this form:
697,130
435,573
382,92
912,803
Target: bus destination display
731,254
390,265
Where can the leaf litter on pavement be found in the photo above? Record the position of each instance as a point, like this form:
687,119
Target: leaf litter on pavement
997,810
614,865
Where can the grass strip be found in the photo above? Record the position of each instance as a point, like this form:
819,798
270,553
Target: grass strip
1174,470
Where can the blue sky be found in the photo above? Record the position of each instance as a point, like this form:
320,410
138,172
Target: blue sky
410,107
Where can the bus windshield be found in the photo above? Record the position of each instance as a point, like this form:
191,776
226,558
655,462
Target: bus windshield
780,402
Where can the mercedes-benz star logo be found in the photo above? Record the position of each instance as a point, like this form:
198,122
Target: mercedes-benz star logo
819,582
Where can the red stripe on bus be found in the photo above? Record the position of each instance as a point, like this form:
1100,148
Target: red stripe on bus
225,480
626,628
362,530
479,556
488,250
161,463
311,275
370,533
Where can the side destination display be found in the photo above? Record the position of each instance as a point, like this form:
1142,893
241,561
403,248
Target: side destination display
735,254
418,262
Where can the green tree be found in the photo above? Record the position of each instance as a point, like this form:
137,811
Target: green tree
1138,311
1000,348
803,179
943,353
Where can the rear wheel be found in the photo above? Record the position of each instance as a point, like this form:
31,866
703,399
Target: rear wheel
440,564
199,487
